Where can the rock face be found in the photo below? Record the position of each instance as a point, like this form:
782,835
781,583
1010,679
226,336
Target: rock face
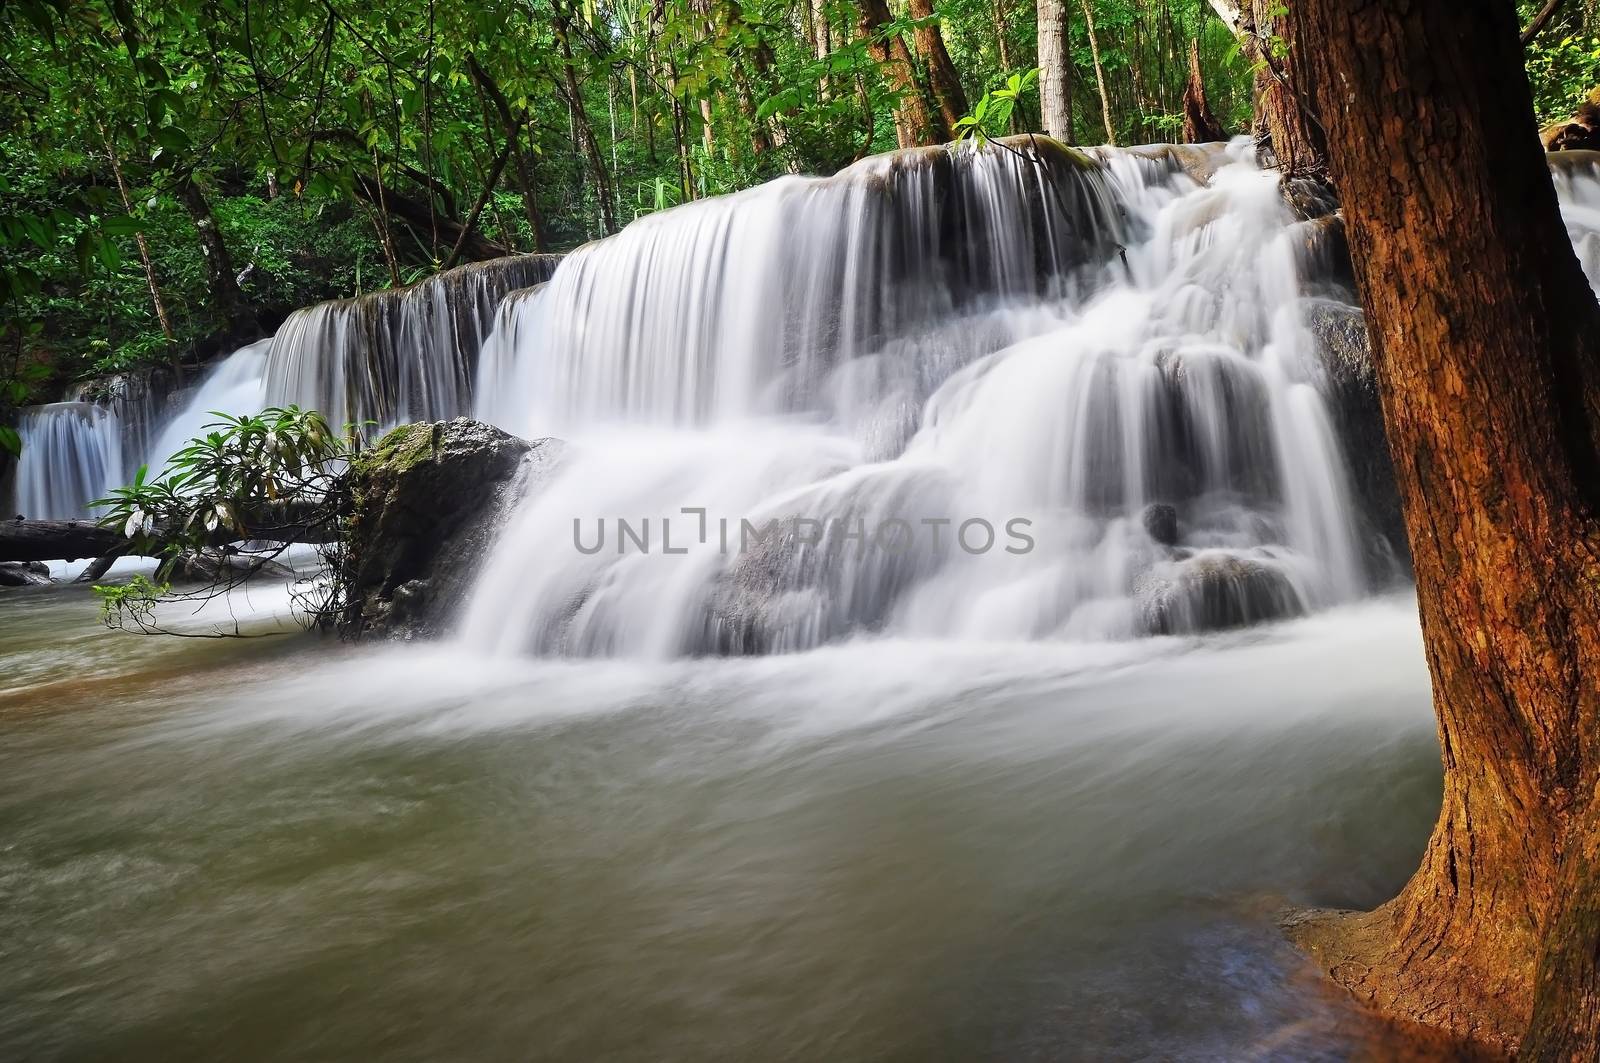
24,574
428,500
1351,385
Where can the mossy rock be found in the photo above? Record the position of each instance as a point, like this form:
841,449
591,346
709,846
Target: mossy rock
427,502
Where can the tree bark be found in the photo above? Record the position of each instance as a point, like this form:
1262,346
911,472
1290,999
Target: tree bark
1486,342
1288,133
221,280
1200,126
914,123
1099,73
943,80
418,217
1055,69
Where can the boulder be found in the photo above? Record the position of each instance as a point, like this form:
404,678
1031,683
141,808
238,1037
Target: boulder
1160,523
1214,592
24,574
427,502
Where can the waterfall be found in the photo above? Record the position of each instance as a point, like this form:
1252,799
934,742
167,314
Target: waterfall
233,386
396,356
1009,393
389,357
71,455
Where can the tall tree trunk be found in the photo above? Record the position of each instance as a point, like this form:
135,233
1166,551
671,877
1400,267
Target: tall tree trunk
943,80
1001,46
1200,126
1055,69
580,118
1099,72
914,123
156,301
221,281
1486,341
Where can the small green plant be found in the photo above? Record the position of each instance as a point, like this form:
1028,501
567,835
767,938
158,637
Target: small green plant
247,488
991,116
131,605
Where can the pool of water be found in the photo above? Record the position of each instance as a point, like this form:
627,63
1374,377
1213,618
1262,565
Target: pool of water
282,848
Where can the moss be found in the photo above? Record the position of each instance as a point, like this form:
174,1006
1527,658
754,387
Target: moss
398,452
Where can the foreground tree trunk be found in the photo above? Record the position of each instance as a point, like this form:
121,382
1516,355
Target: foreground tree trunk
1055,70
1486,340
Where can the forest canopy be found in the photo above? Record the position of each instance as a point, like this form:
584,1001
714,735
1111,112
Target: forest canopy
179,175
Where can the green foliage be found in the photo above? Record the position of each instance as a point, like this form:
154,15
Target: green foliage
273,477
991,116
131,605
1564,70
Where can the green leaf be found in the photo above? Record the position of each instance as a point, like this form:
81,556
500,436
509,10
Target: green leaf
10,441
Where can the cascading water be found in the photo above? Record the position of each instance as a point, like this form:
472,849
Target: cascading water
71,455
395,356
233,386
1100,361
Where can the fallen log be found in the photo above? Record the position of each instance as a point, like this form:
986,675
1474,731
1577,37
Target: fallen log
73,540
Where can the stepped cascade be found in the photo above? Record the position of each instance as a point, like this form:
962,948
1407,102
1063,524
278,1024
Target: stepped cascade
1115,361
1105,348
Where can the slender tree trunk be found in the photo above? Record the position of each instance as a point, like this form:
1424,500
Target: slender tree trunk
1002,48
1099,73
914,123
1055,69
580,117
1486,341
521,166
942,77
221,279
824,37
1200,126
1540,20
156,301
490,180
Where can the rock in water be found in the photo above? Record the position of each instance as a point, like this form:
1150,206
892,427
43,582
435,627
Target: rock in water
24,574
1214,592
1161,523
428,500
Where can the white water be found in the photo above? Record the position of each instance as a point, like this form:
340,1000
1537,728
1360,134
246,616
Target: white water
820,349
233,387
71,455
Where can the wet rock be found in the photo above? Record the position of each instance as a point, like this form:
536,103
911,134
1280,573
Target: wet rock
1350,385
428,501
1214,592
1160,523
24,574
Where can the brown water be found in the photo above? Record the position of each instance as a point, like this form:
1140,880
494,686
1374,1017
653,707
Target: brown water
282,849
